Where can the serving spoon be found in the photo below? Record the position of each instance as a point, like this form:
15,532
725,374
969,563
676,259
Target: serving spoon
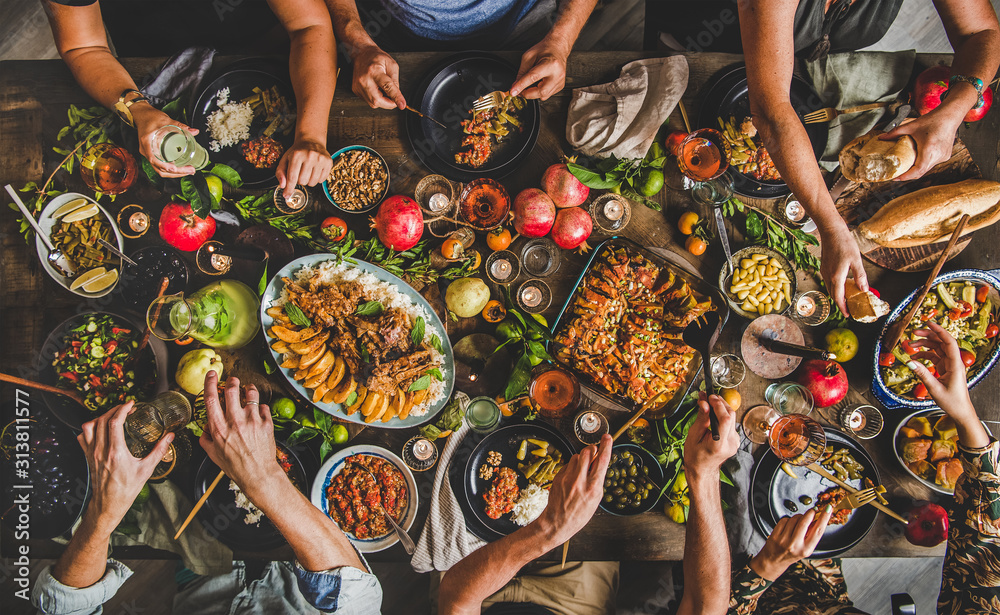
404,538
56,258
698,335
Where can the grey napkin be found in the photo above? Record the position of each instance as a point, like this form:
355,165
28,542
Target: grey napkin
850,79
621,118
445,539
181,73
743,536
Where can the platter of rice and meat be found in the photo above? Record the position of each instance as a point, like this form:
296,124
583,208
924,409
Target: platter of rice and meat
358,342
620,331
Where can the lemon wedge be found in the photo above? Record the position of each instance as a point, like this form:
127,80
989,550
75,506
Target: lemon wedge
86,277
70,207
81,214
102,282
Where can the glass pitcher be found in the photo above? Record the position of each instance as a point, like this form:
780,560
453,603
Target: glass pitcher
222,315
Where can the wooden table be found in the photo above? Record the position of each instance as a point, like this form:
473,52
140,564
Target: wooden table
33,99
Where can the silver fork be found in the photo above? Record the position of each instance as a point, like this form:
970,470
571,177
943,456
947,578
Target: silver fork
404,538
857,499
489,101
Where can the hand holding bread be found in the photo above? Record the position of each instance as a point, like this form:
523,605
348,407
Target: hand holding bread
870,159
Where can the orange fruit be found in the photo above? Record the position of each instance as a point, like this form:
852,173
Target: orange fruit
695,245
733,398
674,140
498,239
451,248
687,222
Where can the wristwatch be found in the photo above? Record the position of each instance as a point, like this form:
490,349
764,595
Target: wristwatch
975,82
122,107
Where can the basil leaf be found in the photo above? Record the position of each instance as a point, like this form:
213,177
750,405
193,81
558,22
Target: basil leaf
430,432
436,373
227,174
296,315
417,334
420,383
436,343
351,399
369,308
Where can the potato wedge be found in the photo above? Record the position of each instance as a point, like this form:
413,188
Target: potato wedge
372,402
344,389
310,359
395,407
310,345
280,347
339,369
319,392
314,381
287,334
300,374
274,311
291,361
362,393
407,406
325,363
378,412
328,396
419,397
283,320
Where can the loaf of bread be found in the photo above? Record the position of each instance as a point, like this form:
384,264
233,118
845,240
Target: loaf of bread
869,159
931,214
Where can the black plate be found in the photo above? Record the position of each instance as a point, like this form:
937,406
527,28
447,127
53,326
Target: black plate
68,411
770,487
505,441
655,475
222,518
241,83
729,96
447,94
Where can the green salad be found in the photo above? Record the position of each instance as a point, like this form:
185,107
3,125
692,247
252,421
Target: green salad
964,310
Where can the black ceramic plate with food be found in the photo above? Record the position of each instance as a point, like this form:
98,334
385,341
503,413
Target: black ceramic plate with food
221,517
648,476
729,96
775,494
241,83
446,93
506,441
149,367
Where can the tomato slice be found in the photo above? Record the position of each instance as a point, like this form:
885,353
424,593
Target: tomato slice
992,330
920,391
886,359
981,294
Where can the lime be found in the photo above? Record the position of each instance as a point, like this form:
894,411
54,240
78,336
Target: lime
339,434
283,408
509,330
843,343
214,186
616,189
143,496
652,182
655,151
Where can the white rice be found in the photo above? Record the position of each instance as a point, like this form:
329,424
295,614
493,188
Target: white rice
530,503
222,96
242,501
229,124
389,296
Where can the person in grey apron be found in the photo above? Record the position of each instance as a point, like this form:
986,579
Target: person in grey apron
774,32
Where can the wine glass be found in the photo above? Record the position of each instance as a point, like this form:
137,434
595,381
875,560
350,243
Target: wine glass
703,155
713,191
794,438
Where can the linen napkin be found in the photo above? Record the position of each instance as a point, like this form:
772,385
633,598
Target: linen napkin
445,540
621,118
845,80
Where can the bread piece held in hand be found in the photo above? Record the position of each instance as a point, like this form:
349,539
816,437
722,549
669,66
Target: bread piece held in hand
869,159
864,306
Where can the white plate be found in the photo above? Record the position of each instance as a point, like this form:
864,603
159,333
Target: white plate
46,222
335,464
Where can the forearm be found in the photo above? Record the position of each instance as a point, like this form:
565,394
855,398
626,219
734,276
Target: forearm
313,67
573,15
85,559
347,27
485,571
706,550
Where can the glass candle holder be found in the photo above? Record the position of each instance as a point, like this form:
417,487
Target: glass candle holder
210,261
534,296
133,221
298,202
863,421
794,214
420,454
610,212
590,426
502,267
810,308
540,257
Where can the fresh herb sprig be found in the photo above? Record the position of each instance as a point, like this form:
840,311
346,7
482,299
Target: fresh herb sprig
623,175
762,228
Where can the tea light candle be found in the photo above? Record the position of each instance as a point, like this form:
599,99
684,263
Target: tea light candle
139,222
423,449
856,420
805,306
501,269
589,422
613,210
438,202
220,262
794,211
531,296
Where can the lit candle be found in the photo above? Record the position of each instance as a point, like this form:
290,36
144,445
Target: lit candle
423,449
138,222
438,202
613,210
590,422
856,420
794,211
805,306
500,269
220,262
298,200
531,296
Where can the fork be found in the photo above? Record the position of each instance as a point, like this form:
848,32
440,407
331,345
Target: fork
827,114
857,499
488,101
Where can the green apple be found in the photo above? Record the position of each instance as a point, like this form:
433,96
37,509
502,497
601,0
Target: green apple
193,368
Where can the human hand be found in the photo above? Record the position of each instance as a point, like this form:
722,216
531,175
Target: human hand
148,119
116,477
543,70
934,134
703,455
576,492
792,539
240,440
840,257
306,162
376,79
950,389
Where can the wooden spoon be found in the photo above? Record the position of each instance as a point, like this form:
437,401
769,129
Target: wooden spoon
74,395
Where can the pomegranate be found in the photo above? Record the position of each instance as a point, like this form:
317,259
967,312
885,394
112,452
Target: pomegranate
572,228
182,229
927,525
826,380
534,213
931,85
399,223
563,187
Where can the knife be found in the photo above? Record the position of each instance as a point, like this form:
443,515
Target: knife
769,340
842,182
720,227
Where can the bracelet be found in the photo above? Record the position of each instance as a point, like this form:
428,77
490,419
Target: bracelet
975,82
122,107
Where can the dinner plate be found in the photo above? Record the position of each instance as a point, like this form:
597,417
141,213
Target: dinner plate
446,93
222,518
933,415
770,487
729,95
241,83
69,412
506,441
46,222
335,464
273,292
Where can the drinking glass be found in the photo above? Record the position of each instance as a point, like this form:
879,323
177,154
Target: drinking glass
176,146
107,168
728,370
483,414
794,438
703,155
713,191
150,420
789,398
555,391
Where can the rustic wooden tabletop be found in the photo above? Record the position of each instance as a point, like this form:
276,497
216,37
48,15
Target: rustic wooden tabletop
34,96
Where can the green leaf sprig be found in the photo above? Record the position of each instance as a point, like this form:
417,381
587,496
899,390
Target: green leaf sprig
296,315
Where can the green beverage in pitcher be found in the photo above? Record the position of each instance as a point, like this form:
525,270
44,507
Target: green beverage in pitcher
222,315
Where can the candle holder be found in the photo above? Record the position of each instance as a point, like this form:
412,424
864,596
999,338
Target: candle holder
133,221
810,308
540,257
534,296
794,214
611,213
502,267
864,422
210,261
436,196
590,426
419,454
298,202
